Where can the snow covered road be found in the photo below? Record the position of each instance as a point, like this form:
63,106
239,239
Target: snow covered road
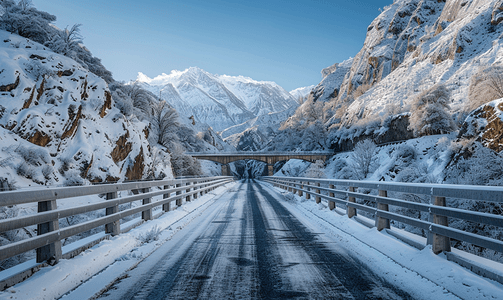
248,245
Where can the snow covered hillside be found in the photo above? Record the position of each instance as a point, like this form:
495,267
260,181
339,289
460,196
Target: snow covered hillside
59,124
219,101
413,50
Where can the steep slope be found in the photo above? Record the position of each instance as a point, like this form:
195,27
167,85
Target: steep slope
411,47
267,123
219,101
414,45
301,92
59,124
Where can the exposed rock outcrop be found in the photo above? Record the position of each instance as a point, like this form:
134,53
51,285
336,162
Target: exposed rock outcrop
485,124
62,111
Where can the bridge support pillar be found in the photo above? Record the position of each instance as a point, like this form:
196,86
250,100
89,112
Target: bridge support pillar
226,170
114,227
51,251
440,243
382,223
270,170
351,210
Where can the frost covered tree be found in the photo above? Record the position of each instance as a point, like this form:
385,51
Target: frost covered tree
429,112
485,86
23,19
183,164
496,81
66,41
165,123
315,170
132,99
362,157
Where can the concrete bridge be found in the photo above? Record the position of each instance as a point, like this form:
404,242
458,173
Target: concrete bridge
270,158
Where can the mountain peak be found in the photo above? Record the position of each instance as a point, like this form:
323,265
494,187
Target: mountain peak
143,78
220,101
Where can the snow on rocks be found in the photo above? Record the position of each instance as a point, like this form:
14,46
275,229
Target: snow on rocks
485,124
68,116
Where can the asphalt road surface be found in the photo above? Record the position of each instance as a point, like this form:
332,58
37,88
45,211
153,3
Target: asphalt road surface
247,245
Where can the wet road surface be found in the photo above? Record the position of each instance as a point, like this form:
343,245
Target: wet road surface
249,246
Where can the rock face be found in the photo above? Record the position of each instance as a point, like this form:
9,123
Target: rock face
485,125
218,101
395,129
411,46
61,119
249,140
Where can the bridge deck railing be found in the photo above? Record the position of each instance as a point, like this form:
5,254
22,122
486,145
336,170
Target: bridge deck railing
47,243
344,193
257,153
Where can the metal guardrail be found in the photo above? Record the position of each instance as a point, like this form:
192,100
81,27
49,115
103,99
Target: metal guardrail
48,240
438,231
257,153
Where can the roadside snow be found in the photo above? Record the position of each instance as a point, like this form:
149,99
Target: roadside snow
420,272
110,258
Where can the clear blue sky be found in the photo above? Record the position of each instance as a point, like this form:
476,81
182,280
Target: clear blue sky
286,41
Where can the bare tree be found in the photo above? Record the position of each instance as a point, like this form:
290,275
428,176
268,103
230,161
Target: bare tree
363,156
165,123
495,82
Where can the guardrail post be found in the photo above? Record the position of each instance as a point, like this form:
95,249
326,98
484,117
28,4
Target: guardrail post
331,204
440,243
308,194
179,200
114,227
382,223
351,210
201,189
146,214
189,197
166,206
318,198
301,186
52,251
196,193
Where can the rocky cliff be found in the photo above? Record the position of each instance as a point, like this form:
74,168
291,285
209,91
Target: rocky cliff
59,124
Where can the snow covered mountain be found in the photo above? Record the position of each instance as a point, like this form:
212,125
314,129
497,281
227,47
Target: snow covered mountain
220,101
302,92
